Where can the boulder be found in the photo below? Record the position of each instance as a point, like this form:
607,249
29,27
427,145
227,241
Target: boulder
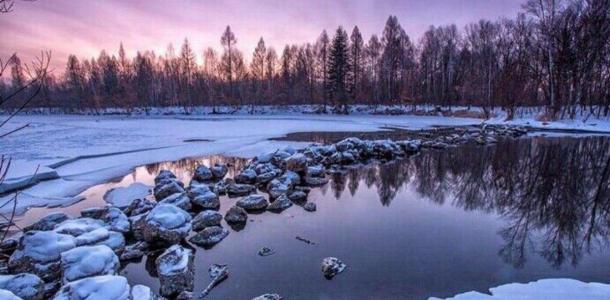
315,181
134,251
298,197
98,287
206,200
280,204
115,241
203,174
253,202
264,178
296,163
219,171
209,236
165,224
88,261
142,292
179,199
113,217
8,295
164,175
205,219
236,214
139,206
247,176
166,188
92,237
315,171
236,189
48,222
39,253
76,227
175,270
25,286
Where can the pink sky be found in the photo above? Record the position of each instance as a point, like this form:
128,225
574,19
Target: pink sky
84,27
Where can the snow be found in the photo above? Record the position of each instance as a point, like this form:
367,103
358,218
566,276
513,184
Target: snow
7,295
43,246
178,265
169,216
87,261
123,196
556,289
95,288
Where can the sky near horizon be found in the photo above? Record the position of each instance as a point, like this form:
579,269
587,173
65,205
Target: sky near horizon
85,27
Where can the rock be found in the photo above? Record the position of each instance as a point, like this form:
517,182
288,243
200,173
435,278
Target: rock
310,206
185,295
206,200
93,288
209,236
134,251
266,251
219,171
39,253
165,224
92,237
139,206
48,222
296,163
175,270
236,190
76,227
268,297
25,286
179,199
297,197
164,175
247,176
88,261
113,217
115,241
203,174
280,204
236,214
266,177
142,292
218,274
315,171
348,144
165,188
205,219
253,202
332,266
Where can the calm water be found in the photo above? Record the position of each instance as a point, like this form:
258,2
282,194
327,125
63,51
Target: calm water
436,224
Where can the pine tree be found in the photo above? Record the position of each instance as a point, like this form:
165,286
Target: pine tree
338,70
356,62
228,41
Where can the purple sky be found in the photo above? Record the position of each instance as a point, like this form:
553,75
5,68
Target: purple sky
84,27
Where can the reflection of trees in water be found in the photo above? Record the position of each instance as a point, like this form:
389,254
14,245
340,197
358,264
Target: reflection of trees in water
184,168
554,192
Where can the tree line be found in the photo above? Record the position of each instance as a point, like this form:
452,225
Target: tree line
555,54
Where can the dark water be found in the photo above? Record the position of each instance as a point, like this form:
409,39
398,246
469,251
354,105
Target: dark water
436,224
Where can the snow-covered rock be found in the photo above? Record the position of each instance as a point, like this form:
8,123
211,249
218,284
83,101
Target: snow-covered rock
134,251
209,236
175,269
167,187
205,219
236,214
88,261
48,222
139,206
8,295
279,204
165,224
298,197
113,217
201,196
164,175
39,253
76,227
142,292
253,202
115,241
219,171
332,266
296,162
202,174
24,285
247,176
92,237
103,287
310,206
178,199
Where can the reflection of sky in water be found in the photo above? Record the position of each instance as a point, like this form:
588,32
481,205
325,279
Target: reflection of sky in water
437,224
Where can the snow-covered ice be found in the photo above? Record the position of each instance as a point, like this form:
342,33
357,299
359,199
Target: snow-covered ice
556,289
123,196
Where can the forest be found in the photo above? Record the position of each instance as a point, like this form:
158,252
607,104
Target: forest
555,54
